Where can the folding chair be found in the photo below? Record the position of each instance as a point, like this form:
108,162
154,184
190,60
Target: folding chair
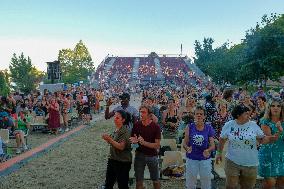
4,134
169,142
172,158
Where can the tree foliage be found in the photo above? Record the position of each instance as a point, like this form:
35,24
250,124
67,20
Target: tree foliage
24,74
258,57
264,49
77,64
4,83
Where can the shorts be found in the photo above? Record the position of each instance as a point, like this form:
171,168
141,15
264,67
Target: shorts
140,161
247,175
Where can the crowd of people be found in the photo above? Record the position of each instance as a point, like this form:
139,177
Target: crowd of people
18,112
201,118
204,119
173,69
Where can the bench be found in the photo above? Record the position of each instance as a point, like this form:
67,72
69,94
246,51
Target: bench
38,123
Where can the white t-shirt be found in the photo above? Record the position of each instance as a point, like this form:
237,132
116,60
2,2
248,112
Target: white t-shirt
242,147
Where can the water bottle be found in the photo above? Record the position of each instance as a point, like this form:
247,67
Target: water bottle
134,146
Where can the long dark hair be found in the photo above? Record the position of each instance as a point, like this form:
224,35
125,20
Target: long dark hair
125,115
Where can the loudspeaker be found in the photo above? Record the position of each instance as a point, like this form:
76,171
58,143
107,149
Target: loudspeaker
54,70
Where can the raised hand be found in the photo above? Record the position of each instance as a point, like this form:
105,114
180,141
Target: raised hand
109,102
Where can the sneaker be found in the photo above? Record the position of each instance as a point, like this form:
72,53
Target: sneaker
25,148
18,151
67,129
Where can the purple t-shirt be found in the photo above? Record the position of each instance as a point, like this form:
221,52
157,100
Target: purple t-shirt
199,140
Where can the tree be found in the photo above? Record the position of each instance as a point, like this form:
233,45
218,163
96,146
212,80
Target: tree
259,57
264,49
217,63
4,83
24,74
77,64
203,54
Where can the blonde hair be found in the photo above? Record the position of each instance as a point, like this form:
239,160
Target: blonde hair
268,115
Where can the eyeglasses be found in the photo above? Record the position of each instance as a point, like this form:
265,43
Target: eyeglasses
278,106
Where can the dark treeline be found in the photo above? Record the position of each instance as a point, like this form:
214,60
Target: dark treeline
260,56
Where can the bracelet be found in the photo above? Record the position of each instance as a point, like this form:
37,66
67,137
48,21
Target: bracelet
218,152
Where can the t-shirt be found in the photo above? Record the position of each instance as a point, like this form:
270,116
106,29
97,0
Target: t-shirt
242,148
22,125
199,141
121,155
149,133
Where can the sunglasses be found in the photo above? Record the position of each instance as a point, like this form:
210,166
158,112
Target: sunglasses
278,106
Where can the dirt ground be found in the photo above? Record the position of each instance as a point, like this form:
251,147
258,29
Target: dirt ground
79,162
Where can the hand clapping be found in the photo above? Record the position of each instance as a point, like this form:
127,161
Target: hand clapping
136,139
133,139
141,140
107,137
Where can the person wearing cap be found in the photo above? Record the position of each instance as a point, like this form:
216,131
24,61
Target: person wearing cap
125,98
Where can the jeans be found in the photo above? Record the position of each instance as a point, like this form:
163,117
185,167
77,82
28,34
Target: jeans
202,168
117,171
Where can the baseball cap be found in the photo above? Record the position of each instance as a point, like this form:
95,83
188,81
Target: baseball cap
3,114
124,96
